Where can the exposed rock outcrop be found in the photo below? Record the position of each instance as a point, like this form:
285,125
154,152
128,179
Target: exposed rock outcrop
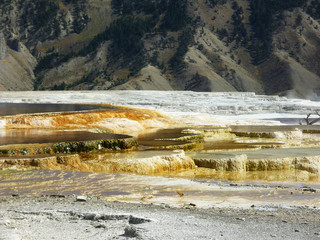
16,66
3,47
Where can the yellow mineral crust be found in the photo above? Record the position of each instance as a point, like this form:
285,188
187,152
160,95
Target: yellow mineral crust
65,162
159,163
241,163
121,120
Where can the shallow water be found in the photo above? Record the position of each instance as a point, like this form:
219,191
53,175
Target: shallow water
30,136
163,137
293,120
263,153
273,128
155,189
234,145
7,109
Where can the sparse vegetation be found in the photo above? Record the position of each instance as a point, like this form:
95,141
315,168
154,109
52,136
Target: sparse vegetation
52,60
263,25
154,58
176,62
176,16
60,87
313,9
298,20
222,33
160,33
239,33
217,2
80,18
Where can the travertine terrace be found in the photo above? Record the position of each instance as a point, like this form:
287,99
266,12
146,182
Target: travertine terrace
239,136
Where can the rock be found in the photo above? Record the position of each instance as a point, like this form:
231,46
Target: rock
309,189
3,47
164,206
137,220
89,216
57,196
81,198
240,219
99,225
131,231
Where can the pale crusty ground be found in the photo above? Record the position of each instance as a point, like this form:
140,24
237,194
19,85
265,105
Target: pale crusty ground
63,217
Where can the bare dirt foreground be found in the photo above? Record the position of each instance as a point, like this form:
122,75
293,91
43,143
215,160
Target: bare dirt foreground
82,217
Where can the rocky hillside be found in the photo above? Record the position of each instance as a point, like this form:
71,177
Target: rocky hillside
270,47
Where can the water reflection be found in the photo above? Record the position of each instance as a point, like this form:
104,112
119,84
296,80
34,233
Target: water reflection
7,109
29,136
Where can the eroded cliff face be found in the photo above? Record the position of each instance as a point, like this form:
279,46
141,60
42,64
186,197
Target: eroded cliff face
205,46
16,67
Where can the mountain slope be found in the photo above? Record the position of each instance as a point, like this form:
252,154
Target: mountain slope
268,47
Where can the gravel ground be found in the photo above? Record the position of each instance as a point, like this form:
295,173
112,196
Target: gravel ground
76,217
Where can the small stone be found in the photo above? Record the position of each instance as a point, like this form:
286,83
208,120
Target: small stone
273,235
252,205
296,230
81,198
99,225
130,231
284,221
192,204
317,233
89,216
137,220
240,219
57,196
308,189
163,206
